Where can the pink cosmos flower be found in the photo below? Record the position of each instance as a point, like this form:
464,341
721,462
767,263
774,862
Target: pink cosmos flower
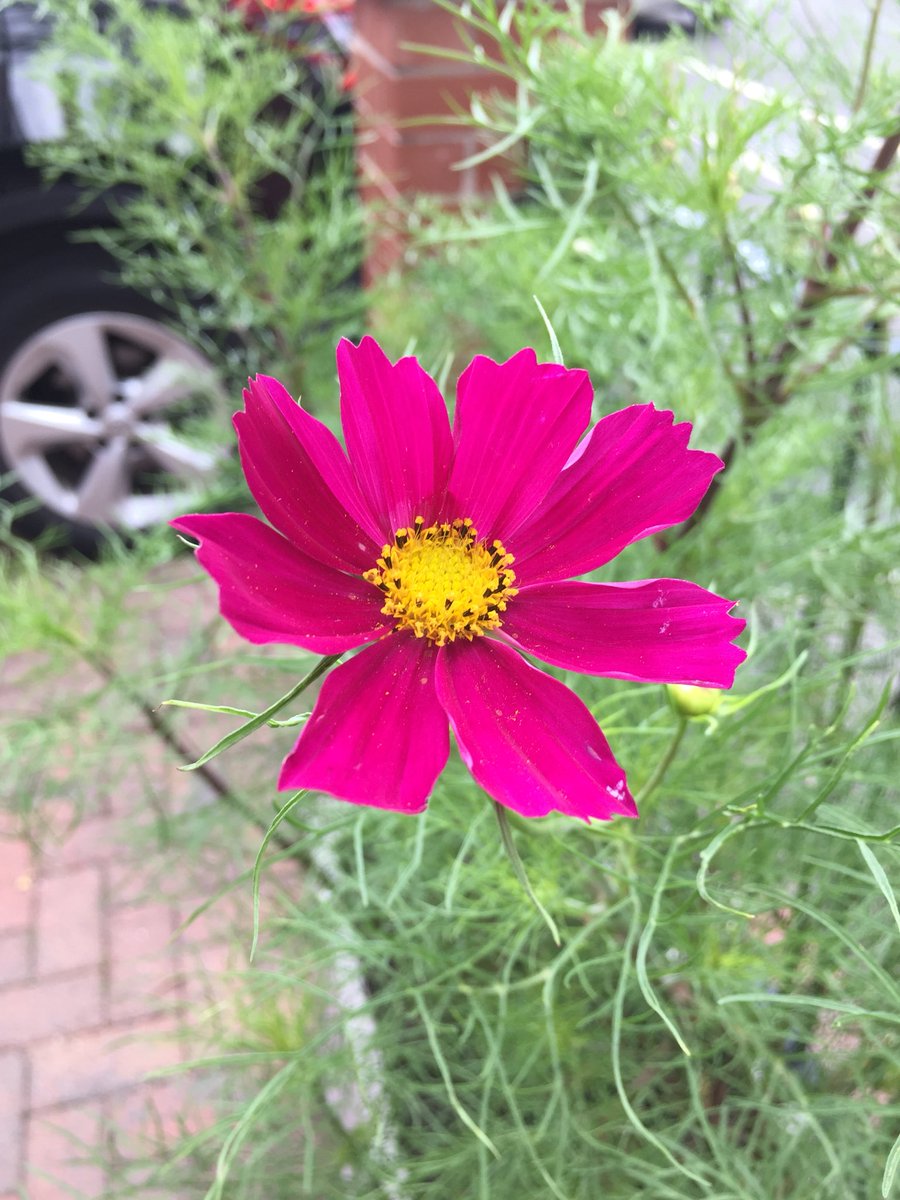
448,554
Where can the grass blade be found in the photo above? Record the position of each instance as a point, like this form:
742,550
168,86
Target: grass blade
512,854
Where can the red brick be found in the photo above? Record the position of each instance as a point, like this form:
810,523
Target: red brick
16,882
154,782
14,958
68,924
213,947
397,83
66,1070
64,1149
13,1102
595,15
414,95
133,883
208,970
143,965
90,841
50,1006
429,163
389,30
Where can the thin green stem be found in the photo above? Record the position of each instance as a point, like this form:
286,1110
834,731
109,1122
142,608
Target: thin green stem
512,854
263,718
854,632
867,57
659,771
665,262
740,295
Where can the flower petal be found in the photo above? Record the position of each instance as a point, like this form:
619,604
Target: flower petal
377,734
271,592
526,738
301,479
654,631
397,433
631,476
516,424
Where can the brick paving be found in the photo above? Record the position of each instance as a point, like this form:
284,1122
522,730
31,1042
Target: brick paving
96,981
92,989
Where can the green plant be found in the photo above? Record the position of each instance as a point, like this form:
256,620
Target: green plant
227,159
720,1019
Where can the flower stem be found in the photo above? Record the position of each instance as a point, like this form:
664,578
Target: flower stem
263,718
659,771
512,854
867,57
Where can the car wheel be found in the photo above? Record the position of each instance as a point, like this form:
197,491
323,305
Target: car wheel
100,402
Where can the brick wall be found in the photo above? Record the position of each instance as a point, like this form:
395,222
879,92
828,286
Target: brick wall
396,86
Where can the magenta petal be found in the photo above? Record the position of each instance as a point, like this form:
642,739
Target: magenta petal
515,426
654,631
632,475
271,592
377,734
397,433
301,479
526,738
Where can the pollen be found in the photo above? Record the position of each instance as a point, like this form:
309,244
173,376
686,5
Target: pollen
442,583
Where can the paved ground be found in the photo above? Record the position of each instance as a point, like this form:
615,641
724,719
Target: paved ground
95,992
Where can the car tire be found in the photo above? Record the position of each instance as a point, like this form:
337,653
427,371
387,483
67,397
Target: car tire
97,396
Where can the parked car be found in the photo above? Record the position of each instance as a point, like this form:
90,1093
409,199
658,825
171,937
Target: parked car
93,381
98,391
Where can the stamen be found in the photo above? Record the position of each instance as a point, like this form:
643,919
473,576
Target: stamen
441,583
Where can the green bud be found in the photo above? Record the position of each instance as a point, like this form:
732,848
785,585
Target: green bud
692,701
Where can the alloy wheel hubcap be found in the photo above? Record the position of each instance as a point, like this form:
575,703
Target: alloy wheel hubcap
98,420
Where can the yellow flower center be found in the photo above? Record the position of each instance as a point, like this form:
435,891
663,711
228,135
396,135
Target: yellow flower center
442,583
